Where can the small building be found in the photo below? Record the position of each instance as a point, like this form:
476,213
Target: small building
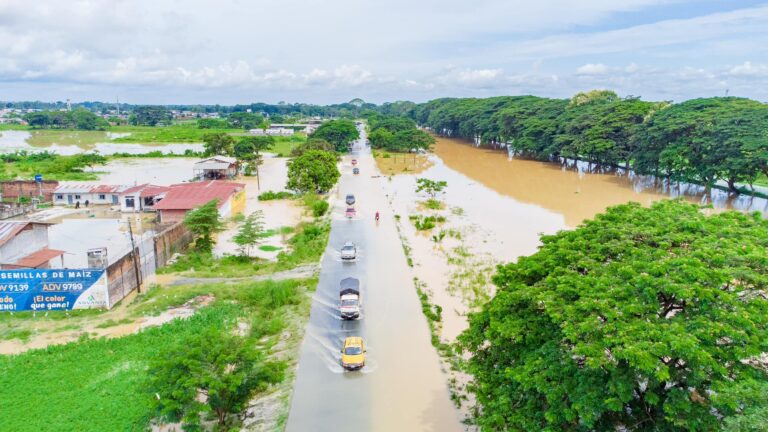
277,130
142,197
15,189
184,197
71,194
216,168
24,244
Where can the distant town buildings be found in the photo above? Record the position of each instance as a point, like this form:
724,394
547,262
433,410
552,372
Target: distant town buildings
184,197
24,244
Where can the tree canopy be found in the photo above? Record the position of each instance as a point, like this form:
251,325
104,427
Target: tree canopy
204,222
150,116
397,134
219,143
701,140
314,171
76,119
340,133
643,318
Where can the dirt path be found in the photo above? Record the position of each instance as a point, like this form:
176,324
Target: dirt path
300,272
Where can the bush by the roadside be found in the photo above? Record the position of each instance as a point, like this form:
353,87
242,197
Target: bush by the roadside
319,208
271,195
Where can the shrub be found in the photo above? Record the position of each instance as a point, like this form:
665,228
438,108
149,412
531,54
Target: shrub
271,195
319,208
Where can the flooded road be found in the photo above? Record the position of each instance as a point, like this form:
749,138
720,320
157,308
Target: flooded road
402,387
74,142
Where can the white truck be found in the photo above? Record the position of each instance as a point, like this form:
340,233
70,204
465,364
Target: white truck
349,298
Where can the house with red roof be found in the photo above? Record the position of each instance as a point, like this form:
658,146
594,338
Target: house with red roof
142,197
24,244
181,198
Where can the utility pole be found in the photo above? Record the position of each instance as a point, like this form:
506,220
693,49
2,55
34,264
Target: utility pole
135,259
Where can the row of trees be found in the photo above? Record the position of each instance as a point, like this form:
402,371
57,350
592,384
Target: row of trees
397,134
81,119
700,140
650,319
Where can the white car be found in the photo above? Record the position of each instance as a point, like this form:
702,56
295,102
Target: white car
348,251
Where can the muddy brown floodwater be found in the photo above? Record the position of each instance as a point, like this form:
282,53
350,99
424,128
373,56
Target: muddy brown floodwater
496,209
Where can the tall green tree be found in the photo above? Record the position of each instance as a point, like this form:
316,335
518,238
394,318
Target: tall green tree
340,133
204,222
250,232
211,372
220,143
640,319
315,171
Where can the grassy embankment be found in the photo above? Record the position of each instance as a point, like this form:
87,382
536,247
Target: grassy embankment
101,384
50,166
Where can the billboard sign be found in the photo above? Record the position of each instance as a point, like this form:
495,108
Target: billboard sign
52,289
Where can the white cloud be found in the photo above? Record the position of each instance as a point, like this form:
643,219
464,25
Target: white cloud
748,69
592,69
235,51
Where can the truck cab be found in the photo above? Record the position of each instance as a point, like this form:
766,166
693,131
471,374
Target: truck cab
350,199
349,298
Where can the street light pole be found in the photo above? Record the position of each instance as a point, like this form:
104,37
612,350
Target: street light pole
135,259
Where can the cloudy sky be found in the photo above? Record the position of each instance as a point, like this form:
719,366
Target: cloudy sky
326,51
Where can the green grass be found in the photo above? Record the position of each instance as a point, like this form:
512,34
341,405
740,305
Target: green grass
101,384
284,145
112,323
306,246
14,333
269,248
179,133
762,180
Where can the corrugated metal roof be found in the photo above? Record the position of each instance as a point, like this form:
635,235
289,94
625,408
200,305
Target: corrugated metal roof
186,196
212,165
225,159
146,190
9,229
89,188
38,258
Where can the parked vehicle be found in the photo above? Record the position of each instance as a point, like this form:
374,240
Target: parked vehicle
353,353
355,170
350,200
350,213
348,251
349,298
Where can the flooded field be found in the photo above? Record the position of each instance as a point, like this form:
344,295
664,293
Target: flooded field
276,214
159,171
74,142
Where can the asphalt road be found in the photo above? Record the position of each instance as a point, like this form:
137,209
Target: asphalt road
402,387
